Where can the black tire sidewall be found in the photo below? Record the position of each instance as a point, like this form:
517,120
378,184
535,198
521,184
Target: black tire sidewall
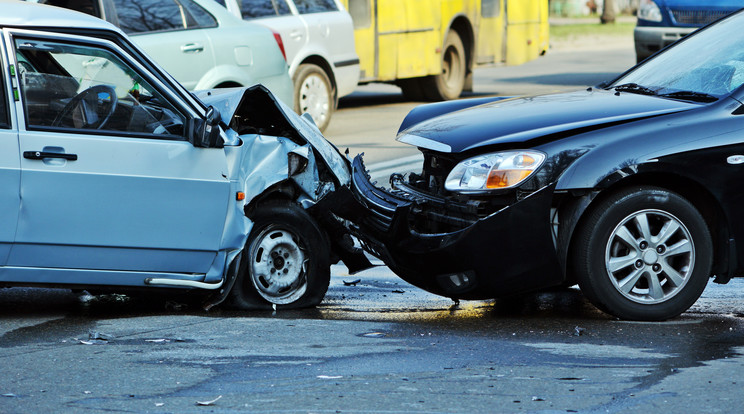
291,217
592,273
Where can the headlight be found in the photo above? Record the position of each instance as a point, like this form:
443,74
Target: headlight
648,10
493,171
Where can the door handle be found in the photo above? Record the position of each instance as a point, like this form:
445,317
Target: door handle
40,155
192,48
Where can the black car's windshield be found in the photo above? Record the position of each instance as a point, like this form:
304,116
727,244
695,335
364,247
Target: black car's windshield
704,68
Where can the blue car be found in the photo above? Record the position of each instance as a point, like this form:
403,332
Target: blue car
663,22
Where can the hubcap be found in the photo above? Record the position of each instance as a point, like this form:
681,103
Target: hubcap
315,98
650,256
278,266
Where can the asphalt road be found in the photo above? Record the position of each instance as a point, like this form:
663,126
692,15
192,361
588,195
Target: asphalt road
376,344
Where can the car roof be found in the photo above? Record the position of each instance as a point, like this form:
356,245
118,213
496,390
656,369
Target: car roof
27,15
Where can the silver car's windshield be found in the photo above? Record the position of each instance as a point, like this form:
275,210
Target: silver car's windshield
704,68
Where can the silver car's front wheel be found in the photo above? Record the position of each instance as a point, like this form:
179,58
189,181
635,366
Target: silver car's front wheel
278,265
286,260
642,253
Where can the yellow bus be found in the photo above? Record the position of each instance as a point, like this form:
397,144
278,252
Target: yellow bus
430,47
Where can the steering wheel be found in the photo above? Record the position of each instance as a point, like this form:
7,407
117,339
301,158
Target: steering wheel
89,101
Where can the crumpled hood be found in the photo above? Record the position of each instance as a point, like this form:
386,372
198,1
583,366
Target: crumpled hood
520,120
228,102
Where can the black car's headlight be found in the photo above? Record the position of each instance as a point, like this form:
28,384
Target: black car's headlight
493,171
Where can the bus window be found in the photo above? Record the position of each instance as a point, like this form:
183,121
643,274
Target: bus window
361,13
490,8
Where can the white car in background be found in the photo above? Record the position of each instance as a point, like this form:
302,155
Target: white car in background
318,38
198,42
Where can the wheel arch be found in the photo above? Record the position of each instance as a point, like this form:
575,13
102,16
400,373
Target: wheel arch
578,207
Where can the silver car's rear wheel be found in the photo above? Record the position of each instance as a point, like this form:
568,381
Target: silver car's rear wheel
314,94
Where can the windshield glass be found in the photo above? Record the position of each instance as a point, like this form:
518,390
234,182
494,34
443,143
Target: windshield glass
706,66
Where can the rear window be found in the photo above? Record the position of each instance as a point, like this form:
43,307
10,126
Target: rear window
315,6
264,8
143,16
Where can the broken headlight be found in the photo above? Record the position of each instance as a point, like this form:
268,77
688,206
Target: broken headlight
493,171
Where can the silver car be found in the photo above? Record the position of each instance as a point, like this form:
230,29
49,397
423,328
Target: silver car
197,41
113,176
318,37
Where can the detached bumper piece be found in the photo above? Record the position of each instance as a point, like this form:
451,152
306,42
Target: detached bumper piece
507,252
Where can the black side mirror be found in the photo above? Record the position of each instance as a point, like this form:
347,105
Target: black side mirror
205,132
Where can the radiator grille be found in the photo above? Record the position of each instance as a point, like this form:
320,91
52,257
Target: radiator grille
698,17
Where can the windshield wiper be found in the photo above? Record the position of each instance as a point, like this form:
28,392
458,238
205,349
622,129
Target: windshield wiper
690,96
634,88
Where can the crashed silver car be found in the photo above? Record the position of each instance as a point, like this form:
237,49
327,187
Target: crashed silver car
114,176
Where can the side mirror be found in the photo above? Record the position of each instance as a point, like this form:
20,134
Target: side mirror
205,132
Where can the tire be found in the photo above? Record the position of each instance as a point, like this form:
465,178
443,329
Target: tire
286,261
644,253
449,84
313,93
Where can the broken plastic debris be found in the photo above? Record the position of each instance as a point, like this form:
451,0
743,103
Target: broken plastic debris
211,402
9,395
352,283
158,341
93,335
374,335
159,404
578,331
330,376
537,399
399,291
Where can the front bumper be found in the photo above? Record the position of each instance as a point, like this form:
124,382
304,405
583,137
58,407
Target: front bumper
504,253
649,39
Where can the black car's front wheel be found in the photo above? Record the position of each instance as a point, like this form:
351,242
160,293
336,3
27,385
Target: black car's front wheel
644,253
285,261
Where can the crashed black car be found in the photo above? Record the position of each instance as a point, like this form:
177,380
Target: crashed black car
633,189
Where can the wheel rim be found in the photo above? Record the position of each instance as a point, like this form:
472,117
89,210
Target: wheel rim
650,256
278,266
451,68
315,98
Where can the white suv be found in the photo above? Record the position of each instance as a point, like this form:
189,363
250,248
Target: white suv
318,37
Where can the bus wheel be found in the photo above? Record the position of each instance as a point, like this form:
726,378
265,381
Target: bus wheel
449,84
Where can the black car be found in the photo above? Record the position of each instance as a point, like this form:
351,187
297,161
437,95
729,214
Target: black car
633,189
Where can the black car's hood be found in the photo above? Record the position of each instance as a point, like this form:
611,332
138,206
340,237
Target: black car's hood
520,120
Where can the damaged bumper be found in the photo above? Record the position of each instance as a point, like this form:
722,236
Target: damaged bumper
507,252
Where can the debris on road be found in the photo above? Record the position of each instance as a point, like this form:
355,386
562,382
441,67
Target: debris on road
352,283
578,331
206,403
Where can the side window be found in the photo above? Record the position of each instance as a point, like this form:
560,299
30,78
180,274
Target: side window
201,18
264,8
85,6
315,6
361,13
490,8
140,16
86,88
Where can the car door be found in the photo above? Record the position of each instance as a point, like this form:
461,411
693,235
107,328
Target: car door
9,163
167,31
327,26
278,16
108,180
